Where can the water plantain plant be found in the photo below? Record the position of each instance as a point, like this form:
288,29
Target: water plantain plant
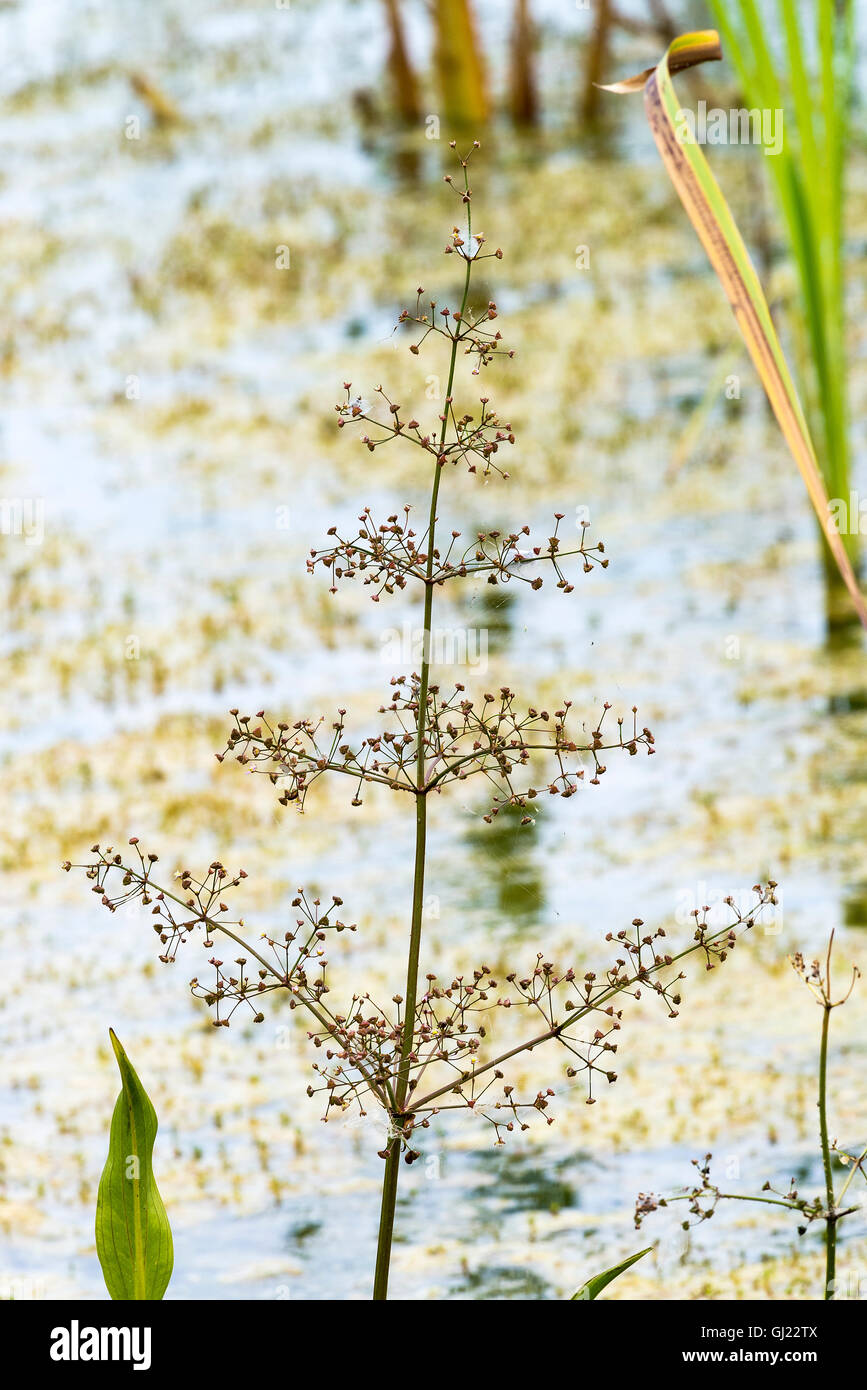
441,1042
829,1207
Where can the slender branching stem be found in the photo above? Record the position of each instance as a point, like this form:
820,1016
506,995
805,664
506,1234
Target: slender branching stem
392,1162
386,1221
831,1214
737,1197
831,1210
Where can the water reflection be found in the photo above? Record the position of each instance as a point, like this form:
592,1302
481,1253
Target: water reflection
848,701
497,1281
855,904
515,1182
493,611
505,852
298,1235
162,527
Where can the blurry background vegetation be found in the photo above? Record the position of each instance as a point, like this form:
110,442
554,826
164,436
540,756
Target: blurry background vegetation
168,392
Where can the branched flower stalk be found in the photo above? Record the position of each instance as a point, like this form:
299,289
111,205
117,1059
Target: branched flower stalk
704,1196
427,1050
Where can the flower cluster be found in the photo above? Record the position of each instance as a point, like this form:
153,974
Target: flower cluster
704,1196
462,328
461,738
449,1063
391,553
817,978
476,438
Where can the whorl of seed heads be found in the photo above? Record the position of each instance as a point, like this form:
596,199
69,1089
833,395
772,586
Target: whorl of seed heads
704,1196
462,738
360,1042
390,555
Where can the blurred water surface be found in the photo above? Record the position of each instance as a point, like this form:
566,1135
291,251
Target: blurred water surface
167,400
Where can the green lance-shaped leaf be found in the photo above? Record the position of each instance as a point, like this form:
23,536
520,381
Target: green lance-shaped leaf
133,1236
594,1286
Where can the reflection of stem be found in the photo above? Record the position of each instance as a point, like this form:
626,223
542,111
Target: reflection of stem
525,106
595,61
831,1215
460,65
400,67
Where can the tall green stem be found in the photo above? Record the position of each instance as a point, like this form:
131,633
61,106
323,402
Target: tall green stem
831,1218
386,1222
392,1162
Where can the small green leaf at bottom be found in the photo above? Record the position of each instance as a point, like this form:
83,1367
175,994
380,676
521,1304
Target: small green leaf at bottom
133,1236
594,1286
